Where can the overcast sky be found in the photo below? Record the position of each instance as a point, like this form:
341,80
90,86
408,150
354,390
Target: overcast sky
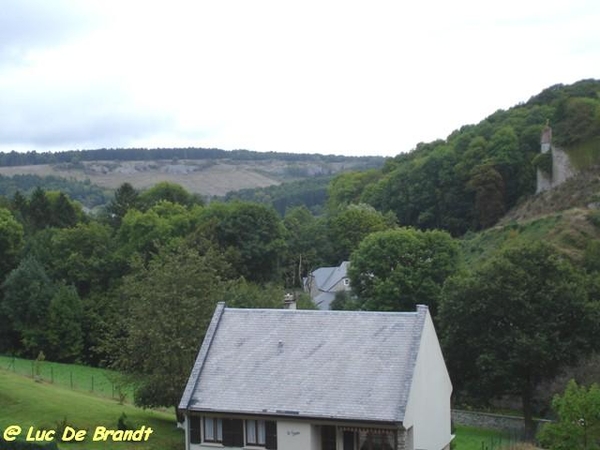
317,76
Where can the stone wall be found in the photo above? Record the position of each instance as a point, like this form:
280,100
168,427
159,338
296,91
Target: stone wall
562,170
511,424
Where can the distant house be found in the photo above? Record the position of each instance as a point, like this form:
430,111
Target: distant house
318,380
323,283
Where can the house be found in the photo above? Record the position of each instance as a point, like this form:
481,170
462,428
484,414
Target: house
323,283
318,380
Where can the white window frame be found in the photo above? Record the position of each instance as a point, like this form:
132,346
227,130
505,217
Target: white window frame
217,428
257,427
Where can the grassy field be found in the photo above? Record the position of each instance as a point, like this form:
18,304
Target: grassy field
27,403
43,405
468,438
82,378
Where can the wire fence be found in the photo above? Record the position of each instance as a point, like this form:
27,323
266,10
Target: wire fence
102,382
512,441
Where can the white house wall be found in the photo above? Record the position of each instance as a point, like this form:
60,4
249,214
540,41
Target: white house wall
296,436
428,408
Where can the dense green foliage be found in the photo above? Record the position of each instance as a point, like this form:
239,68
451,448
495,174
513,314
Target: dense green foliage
11,240
170,304
397,269
311,193
578,424
516,320
83,192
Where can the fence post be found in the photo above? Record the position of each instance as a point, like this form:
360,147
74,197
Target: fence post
32,371
51,374
71,376
92,383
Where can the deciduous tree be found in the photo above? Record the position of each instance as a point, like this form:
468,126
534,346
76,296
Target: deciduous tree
166,308
63,331
11,241
351,225
395,270
27,294
515,321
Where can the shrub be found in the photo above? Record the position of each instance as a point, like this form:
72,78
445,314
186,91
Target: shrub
124,424
578,425
543,161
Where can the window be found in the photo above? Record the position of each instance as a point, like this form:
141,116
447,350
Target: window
213,429
255,432
365,439
346,282
261,433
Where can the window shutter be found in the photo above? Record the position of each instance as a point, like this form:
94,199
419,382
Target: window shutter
195,423
328,437
271,435
233,433
349,438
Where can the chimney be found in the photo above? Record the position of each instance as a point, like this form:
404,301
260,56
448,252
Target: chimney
289,302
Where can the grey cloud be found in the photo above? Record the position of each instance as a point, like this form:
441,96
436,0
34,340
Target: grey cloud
31,24
95,118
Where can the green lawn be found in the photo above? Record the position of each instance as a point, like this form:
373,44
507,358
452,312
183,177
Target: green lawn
83,378
468,438
26,403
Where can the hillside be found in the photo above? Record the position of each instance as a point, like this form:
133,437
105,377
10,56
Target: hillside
567,216
583,191
208,177
468,181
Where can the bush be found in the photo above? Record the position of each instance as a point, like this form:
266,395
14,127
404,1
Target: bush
594,218
543,161
124,424
578,425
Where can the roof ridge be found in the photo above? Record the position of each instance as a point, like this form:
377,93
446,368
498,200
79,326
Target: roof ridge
330,311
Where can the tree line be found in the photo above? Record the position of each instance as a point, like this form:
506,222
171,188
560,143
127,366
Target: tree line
13,158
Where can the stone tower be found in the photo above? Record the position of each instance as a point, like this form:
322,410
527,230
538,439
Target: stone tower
562,169
544,180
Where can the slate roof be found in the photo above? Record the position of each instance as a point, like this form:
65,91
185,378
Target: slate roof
347,365
327,277
323,300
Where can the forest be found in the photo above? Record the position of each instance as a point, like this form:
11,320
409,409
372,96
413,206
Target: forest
133,286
